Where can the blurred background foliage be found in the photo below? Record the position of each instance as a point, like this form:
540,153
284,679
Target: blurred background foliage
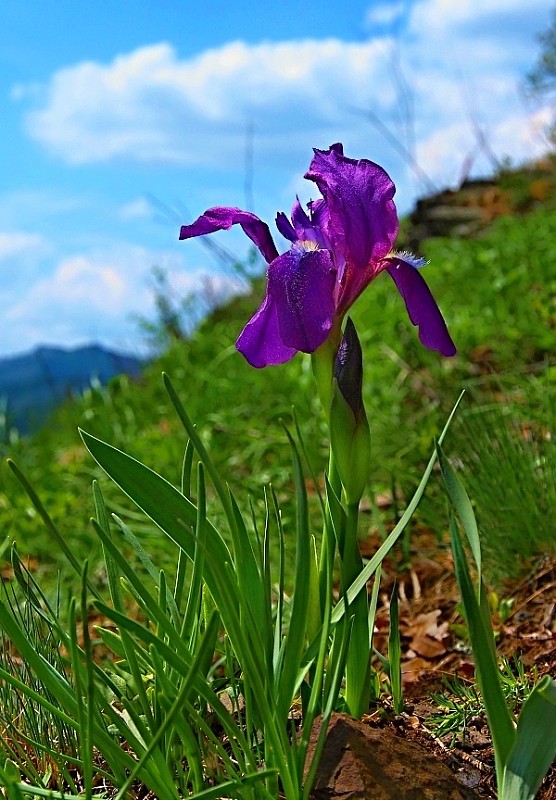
496,287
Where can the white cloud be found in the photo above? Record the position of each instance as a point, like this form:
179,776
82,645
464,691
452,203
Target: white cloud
84,285
384,14
17,244
149,105
460,66
98,295
447,14
140,208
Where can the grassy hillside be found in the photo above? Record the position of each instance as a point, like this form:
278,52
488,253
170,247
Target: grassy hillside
497,294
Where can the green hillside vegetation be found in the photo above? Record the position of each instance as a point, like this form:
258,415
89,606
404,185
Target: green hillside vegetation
497,294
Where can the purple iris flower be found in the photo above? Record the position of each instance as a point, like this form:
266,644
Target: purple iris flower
338,246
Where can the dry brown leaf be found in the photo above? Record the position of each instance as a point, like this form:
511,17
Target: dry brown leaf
427,647
425,625
414,667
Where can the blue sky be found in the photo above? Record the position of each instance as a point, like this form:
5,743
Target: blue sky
113,112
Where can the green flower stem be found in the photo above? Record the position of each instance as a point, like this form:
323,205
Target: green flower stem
358,657
322,361
332,526
340,529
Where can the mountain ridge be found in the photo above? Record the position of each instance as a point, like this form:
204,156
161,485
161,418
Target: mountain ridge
32,384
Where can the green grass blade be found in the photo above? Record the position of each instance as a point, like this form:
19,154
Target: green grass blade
295,638
487,673
218,483
111,571
534,749
192,614
154,495
186,469
278,625
245,560
308,462
373,603
165,505
176,708
235,789
147,563
90,700
386,546
49,523
248,570
395,652
462,506
83,710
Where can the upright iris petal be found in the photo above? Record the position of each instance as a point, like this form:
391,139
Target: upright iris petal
363,221
337,247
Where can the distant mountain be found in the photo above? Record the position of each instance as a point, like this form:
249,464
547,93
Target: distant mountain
33,384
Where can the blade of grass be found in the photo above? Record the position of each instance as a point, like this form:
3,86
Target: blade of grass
386,546
295,637
49,523
395,652
534,748
487,673
176,707
463,507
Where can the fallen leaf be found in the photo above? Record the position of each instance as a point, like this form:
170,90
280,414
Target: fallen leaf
427,647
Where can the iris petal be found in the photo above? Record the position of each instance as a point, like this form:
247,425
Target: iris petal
222,218
285,227
301,222
301,282
363,222
297,311
421,306
260,340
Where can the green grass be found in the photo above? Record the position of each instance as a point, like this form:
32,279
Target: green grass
496,293
460,708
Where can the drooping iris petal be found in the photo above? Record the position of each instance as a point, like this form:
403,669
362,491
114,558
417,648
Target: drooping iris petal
260,342
221,218
363,222
297,311
421,306
301,282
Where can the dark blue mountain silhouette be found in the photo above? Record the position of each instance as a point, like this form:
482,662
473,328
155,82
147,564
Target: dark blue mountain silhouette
33,384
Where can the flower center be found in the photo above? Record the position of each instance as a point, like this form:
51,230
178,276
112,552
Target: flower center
306,245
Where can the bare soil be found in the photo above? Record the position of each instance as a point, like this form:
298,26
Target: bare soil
434,649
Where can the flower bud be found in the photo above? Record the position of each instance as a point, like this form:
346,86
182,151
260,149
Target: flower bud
349,430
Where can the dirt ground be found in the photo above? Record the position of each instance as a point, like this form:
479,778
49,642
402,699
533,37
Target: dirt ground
434,649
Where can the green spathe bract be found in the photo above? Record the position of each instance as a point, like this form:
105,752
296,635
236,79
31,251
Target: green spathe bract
350,436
